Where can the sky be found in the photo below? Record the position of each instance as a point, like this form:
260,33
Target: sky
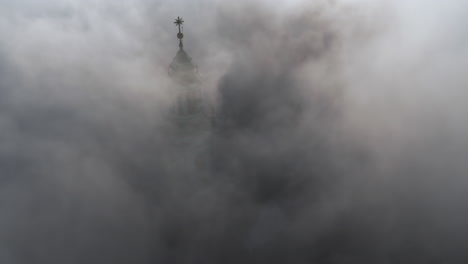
340,135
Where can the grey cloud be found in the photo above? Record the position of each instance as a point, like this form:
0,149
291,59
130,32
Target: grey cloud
330,146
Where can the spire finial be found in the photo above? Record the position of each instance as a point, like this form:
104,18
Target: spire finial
178,22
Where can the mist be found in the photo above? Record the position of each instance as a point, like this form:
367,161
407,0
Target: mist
339,132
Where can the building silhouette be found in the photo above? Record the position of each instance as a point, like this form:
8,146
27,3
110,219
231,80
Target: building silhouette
191,114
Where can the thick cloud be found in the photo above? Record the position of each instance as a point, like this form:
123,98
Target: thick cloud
339,133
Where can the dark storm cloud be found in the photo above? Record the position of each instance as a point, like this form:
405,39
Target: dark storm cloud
300,168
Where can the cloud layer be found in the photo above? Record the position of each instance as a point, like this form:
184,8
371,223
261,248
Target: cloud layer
339,138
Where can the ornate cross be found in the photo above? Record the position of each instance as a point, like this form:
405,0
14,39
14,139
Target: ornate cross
178,22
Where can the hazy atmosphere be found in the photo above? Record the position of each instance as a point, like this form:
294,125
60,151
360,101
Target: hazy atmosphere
339,135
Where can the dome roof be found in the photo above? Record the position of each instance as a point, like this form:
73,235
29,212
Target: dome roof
182,62
182,68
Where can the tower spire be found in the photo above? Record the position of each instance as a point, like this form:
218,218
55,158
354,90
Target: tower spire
178,22
182,63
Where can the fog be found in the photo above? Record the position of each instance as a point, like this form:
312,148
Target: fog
340,133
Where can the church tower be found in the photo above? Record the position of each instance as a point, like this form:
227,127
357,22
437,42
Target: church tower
191,112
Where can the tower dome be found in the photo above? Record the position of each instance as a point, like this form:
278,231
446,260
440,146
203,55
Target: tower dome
182,68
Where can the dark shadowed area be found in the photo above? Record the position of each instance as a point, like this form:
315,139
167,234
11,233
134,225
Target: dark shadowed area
339,133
